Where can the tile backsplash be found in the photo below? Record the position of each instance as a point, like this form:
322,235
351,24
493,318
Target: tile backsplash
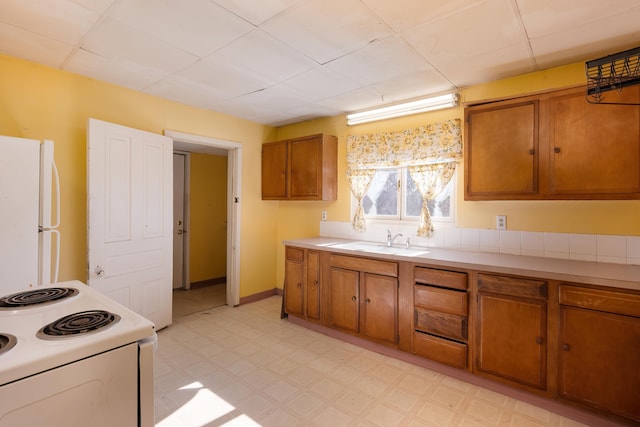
582,247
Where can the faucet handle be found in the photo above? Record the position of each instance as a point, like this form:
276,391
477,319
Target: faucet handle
408,242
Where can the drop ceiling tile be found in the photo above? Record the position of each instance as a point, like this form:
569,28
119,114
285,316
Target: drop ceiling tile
116,41
504,62
32,47
486,27
262,55
223,78
353,101
379,61
256,12
320,83
201,28
186,91
546,17
588,41
276,97
128,74
99,6
411,85
61,20
404,14
327,29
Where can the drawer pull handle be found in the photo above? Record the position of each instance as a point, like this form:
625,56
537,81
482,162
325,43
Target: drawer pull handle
539,340
353,298
299,284
566,347
367,301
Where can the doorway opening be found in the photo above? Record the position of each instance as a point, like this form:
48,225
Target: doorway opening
218,228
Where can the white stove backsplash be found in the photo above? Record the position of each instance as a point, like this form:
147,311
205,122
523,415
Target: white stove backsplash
582,247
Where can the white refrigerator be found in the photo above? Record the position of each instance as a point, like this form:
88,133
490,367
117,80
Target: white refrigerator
29,205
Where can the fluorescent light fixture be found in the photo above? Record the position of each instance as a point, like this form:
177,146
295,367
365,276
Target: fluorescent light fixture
404,109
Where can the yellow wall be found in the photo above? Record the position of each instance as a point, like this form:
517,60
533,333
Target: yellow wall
208,228
40,102
622,217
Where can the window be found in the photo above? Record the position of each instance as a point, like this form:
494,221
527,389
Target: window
393,195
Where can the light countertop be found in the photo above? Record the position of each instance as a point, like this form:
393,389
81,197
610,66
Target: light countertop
594,273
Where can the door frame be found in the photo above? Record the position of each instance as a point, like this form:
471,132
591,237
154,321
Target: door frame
234,186
186,220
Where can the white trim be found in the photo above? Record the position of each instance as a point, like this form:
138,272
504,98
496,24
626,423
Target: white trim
234,187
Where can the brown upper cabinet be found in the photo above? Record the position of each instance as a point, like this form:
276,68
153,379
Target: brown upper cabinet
554,146
302,168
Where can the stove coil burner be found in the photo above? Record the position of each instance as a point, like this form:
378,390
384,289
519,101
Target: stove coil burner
81,323
7,341
35,297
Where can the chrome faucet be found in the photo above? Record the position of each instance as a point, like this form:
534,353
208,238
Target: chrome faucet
390,239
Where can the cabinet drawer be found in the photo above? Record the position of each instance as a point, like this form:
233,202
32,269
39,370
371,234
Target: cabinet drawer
295,254
443,324
513,286
445,279
601,300
443,300
441,350
376,266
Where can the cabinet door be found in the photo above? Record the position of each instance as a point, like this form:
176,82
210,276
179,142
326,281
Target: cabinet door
294,289
502,151
306,168
379,307
599,355
313,285
274,170
344,305
511,338
595,148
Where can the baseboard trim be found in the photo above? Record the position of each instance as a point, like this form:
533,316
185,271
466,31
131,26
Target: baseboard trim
260,296
208,282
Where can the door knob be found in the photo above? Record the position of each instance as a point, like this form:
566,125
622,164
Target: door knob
180,231
99,271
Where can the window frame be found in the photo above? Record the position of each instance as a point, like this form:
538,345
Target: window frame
402,217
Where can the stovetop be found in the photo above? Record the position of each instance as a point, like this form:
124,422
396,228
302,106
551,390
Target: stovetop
37,349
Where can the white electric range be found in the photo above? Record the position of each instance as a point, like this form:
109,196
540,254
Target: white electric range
74,357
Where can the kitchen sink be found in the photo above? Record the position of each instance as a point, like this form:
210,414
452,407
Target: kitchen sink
380,248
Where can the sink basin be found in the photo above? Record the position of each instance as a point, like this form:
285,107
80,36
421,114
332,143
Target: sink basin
380,248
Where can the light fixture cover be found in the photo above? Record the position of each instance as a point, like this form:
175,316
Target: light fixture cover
404,109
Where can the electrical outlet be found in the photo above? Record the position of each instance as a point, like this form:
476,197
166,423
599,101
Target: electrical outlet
501,222
324,215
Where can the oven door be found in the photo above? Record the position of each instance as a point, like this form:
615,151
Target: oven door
101,390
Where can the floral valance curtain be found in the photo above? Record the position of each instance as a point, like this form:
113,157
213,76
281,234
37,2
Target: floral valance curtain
433,144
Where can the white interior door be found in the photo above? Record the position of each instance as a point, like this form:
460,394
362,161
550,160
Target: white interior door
179,163
130,218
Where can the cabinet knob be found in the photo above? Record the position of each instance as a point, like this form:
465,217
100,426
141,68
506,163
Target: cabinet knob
299,284
353,298
566,347
367,301
532,151
539,340
556,149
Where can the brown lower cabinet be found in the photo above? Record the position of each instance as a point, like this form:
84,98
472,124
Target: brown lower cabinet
440,316
572,342
302,283
364,298
599,352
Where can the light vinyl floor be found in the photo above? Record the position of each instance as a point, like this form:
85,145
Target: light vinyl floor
245,366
